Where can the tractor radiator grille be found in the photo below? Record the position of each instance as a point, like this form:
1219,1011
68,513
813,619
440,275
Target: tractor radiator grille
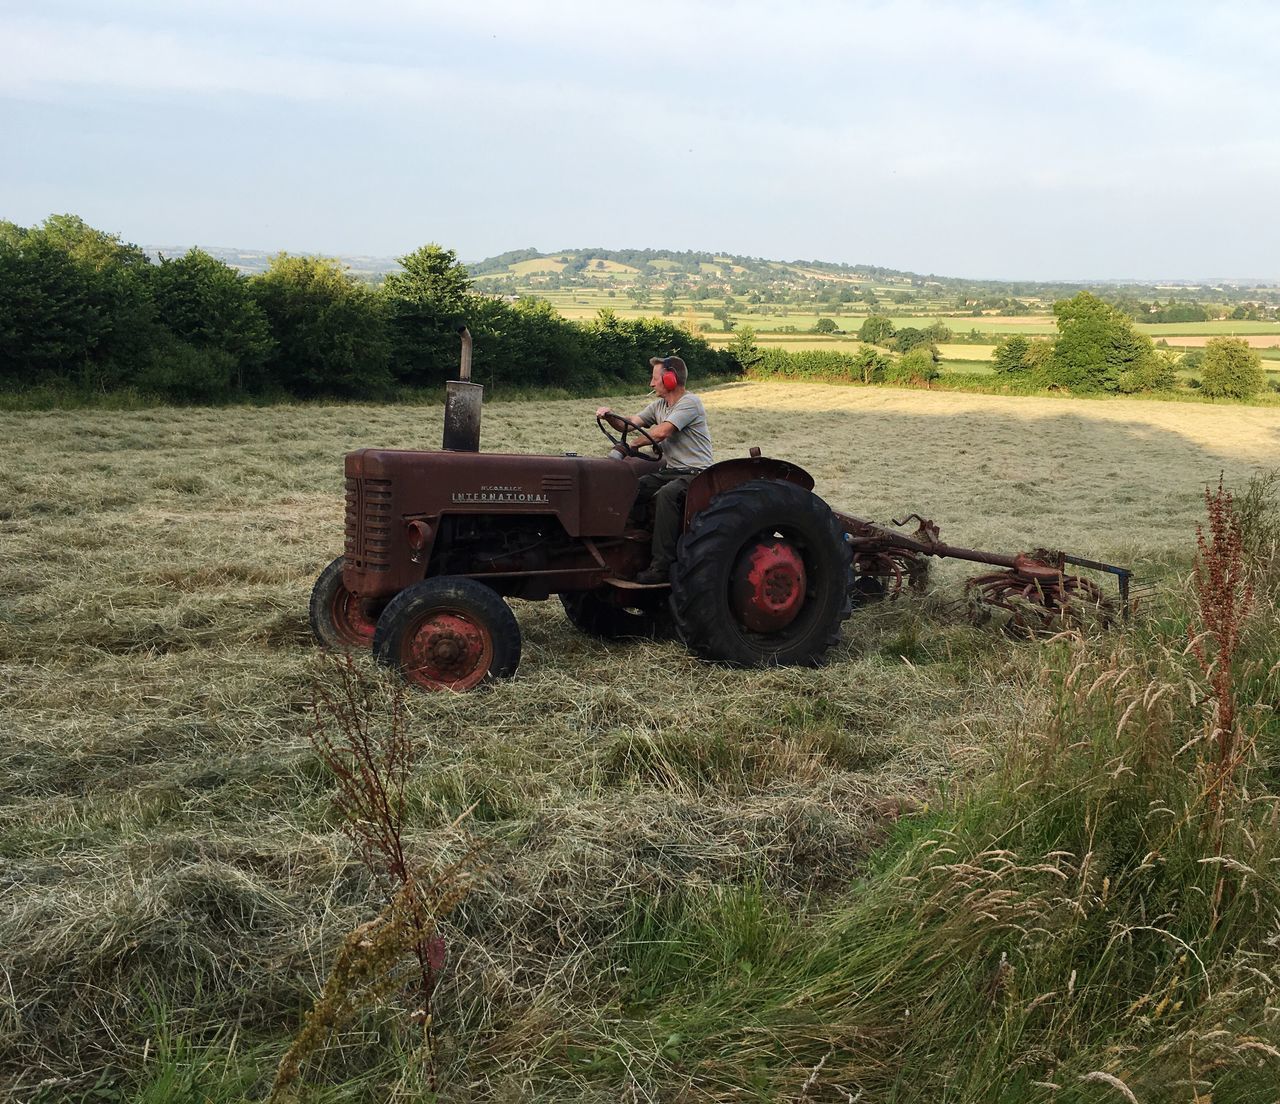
368,527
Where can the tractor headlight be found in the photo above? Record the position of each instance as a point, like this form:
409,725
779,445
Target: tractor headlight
418,534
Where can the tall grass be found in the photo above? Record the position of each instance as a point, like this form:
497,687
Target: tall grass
1093,913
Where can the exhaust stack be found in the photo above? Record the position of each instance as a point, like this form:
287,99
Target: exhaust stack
462,401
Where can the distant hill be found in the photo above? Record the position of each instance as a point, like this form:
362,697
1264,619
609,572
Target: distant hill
531,269
667,261
250,261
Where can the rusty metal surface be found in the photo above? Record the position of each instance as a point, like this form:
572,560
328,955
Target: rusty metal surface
390,489
464,367
1034,589
730,473
1041,602
767,589
463,403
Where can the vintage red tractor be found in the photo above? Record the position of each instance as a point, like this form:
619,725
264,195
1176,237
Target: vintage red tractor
766,571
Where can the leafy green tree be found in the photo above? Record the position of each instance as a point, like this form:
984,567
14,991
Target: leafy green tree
208,305
1097,348
915,367
528,344
46,322
426,303
825,326
1231,369
743,348
911,337
1010,357
620,348
75,305
330,331
870,365
83,243
876,330
1039,358
431,274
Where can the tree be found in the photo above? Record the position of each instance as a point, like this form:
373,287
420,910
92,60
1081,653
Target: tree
1039,358
915,367
330,330
426,303
910,337
1231,369
1097,347
1010,357
825,326
75,305
743,348
876,330
870,365
1153,373
432,274
208,305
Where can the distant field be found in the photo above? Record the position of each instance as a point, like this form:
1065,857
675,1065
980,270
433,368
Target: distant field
1216,328
791,330
1194,341
966,352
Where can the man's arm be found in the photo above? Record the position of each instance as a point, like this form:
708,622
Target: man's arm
662,431
618,421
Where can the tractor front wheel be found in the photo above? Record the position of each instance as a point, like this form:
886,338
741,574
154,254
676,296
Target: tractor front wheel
762,577
339,619
448,633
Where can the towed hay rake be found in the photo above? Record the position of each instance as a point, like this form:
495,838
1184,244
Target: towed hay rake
1033,589
765,571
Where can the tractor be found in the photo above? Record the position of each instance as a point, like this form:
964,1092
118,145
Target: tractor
766,571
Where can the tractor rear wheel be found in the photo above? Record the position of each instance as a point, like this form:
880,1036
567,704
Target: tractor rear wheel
339,619
448,633
762,577
595,615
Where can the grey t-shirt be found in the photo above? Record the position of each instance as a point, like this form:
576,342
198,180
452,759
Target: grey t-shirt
691,446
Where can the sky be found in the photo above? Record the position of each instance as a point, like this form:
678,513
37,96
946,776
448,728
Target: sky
1013,140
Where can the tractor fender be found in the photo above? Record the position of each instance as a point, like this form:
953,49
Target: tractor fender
729,473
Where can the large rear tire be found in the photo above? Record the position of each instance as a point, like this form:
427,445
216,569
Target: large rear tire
339,619
448,633
762,577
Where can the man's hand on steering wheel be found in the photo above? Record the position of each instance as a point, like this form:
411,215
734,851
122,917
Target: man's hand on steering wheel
603,416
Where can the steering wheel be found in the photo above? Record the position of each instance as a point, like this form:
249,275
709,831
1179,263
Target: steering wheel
631,450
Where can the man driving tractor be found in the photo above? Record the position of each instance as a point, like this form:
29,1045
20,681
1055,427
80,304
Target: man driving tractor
677,420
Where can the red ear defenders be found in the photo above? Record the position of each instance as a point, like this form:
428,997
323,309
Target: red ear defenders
669,379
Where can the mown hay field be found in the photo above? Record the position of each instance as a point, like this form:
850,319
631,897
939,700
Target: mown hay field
172,871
